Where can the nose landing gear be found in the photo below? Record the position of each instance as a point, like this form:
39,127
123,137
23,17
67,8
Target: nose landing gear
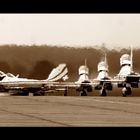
126,91
83,93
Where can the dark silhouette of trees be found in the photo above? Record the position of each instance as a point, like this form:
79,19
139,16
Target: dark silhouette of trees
41,70
4,66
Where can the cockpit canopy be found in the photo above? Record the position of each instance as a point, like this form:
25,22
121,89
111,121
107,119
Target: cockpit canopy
83,70
102,66
125,59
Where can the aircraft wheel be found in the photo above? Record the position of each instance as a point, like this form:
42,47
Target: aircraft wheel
31,94
83,93
66,92
129,91
126,91
103,92
124,95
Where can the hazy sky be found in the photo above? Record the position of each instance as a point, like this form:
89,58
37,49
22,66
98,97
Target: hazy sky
70,29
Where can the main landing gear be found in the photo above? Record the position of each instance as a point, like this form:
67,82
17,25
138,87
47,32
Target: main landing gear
126,91
103,92
66,91
83,93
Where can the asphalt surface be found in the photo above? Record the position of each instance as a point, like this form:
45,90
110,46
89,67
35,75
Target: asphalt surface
69,111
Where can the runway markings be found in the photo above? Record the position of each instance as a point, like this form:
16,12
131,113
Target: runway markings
103,99
34,116
82,111
103,107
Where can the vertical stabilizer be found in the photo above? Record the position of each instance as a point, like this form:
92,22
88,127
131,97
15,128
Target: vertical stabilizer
85,62
131,59
105,59
106,63
58,73
85,65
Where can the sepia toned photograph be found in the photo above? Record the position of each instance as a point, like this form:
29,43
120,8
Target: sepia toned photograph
69,70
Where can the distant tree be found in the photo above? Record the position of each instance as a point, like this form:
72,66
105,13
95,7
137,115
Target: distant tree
4,66
41,70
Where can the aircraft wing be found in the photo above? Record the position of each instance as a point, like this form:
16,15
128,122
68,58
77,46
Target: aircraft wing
96,81
42,84
46,83
38,83
60,73
34,86
128,78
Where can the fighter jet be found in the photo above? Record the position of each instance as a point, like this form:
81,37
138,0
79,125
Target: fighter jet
103,79
84,80
55,81
127,78
24,86
83,85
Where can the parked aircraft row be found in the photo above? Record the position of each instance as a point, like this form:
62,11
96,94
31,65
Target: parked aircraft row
126,79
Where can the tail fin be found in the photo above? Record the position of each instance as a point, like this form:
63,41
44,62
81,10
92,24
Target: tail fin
85,62
105,59
131,59
17,75
58,73
2,75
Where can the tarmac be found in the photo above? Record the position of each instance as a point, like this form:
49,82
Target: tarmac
69,111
